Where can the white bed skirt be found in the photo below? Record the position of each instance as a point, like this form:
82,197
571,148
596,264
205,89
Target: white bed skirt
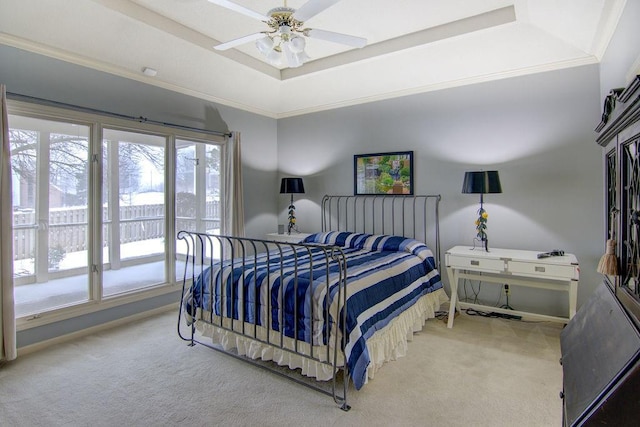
385,345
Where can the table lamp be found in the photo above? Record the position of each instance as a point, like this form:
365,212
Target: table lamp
291,186
481,182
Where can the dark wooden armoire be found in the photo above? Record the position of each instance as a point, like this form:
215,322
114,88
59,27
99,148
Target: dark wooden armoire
601,344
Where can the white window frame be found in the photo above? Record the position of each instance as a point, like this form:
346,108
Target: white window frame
97,123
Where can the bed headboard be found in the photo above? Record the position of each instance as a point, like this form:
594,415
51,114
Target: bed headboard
409,216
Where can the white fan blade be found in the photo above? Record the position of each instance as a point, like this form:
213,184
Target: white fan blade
240,9
312,8
336,37
238,42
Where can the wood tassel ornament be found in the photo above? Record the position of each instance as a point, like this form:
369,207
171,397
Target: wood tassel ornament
609,262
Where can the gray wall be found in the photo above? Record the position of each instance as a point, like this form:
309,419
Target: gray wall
259,169
537,130
623,52
38,76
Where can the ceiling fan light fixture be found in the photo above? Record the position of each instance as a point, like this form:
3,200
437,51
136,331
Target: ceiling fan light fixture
284,30
294,62
265,45
274,56
292,59
297,44
303,56
287,35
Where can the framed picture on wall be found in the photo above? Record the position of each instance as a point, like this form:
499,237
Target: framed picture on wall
383,173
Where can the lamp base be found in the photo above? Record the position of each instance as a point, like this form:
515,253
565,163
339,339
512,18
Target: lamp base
484,244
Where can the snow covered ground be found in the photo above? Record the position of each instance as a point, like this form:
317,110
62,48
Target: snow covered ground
35,298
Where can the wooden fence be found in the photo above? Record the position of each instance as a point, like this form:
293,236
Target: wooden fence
68,227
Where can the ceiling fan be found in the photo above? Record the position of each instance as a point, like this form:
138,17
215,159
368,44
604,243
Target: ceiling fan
286,34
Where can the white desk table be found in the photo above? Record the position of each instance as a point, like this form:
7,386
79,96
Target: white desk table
294,237
512,267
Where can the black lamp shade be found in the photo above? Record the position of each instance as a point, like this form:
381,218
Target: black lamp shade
482,182
291,186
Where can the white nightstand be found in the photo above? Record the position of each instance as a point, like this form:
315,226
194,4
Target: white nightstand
287,238
513,267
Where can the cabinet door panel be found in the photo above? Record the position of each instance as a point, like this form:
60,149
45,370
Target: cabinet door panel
600,347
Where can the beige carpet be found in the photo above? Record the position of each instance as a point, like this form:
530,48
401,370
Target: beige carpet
483,372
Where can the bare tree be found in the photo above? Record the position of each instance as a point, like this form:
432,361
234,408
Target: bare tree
68,157
69,161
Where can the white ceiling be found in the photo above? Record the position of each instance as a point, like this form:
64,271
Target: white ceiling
413,45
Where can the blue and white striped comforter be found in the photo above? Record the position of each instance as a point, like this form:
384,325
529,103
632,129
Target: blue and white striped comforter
385,276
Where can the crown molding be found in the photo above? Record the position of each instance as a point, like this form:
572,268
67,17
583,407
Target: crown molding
76,59
100,66
456,28
553,66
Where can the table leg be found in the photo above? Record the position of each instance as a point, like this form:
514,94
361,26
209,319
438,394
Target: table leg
453,283
573,298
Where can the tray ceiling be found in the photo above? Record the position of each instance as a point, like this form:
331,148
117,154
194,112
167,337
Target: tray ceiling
413,45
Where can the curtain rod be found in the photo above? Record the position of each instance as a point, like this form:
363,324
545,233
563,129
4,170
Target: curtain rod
42,101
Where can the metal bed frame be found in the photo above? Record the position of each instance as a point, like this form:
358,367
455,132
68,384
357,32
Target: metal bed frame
413,216
406,216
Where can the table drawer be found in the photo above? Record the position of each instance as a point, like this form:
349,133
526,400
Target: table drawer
533,269
480,264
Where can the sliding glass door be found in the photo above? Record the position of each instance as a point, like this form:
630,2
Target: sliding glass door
133,214
198,189
96,206
49,164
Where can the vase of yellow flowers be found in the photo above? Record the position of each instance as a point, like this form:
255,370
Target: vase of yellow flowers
481,228
292,219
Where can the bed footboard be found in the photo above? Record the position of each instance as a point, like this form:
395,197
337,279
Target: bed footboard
285,297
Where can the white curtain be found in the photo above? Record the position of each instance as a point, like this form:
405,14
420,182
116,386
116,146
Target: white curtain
7,312
233,212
